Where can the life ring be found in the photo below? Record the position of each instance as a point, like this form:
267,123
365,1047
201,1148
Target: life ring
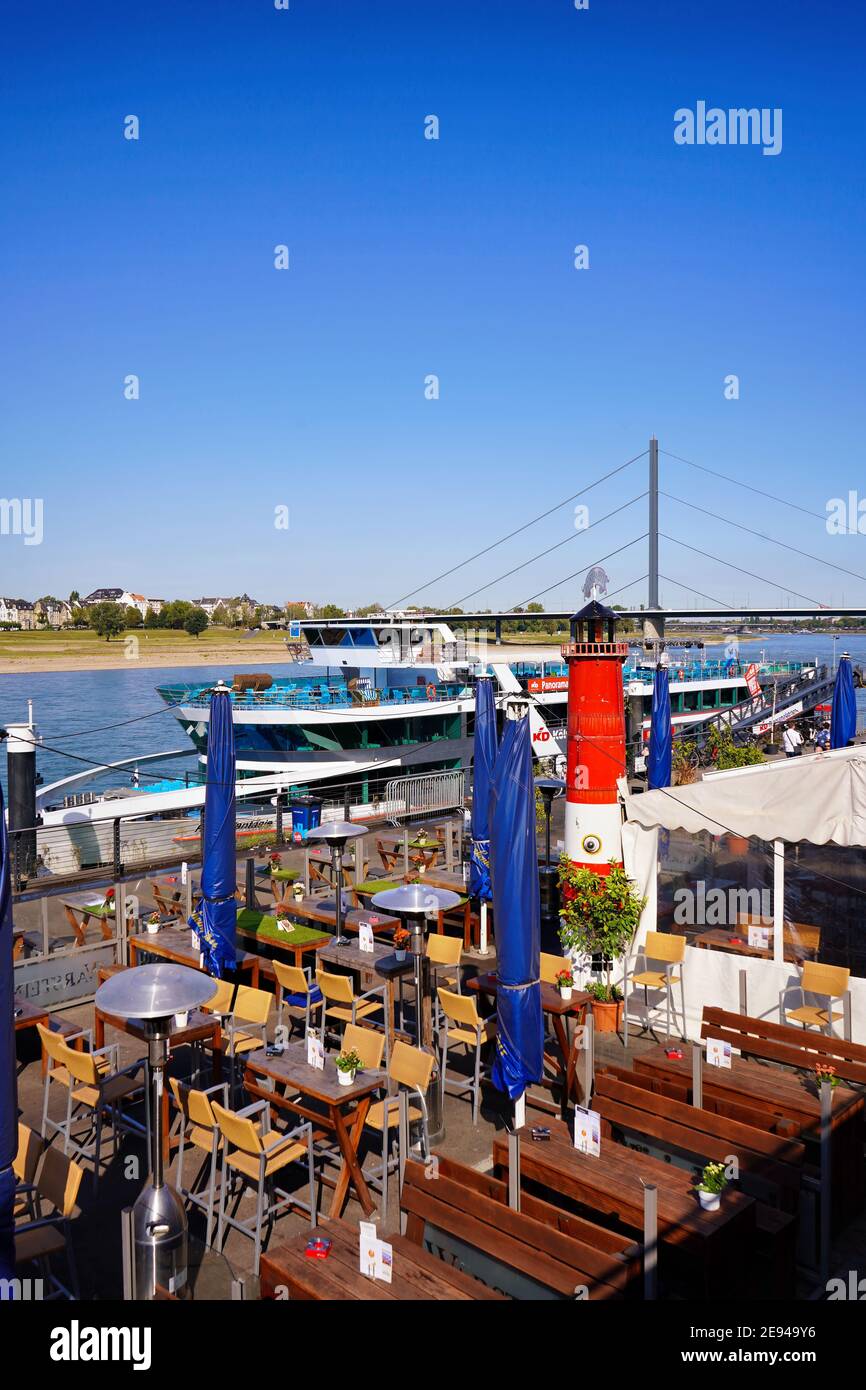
431,691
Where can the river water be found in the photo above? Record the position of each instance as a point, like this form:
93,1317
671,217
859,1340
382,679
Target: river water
80,714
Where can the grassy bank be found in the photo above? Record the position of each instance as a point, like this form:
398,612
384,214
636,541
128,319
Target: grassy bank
83,650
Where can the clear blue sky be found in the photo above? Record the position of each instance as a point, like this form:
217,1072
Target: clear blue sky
409,257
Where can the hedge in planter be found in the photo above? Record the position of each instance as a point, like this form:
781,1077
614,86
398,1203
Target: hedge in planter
599,914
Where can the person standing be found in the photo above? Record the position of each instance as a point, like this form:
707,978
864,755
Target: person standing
792,741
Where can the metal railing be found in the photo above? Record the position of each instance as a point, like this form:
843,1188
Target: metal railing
329,697
426,793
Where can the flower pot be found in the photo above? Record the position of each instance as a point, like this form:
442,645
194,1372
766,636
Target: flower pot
400,955
566,991
606,1017
346,1077
152,928
710,1201
181,1020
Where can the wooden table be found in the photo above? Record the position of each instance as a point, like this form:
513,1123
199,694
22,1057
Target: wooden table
319,1097
292,937
175,944
279,881
83,905
786,1095
560,1012
417,1275
27,1015
453,882
201,1027
324,911
717,939
715,1244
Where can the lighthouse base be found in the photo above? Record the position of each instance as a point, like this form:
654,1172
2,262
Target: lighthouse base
593,835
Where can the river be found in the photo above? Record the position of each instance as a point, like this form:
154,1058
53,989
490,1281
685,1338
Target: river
91,717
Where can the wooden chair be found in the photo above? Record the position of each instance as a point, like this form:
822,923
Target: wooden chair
390,857
39,1240
55,1072
464,1027
829,982
444,954
669,950
94,1093
368,1044
197,1126
245,1012
256,1154
24,1166
343,1004
169,906
297,997
550,967
411,1068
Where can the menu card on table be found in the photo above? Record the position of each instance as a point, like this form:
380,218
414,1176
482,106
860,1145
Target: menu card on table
365,937
718,1053
315,1052
587,1131
376,1256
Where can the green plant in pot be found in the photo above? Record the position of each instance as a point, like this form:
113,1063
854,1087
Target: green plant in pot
713,1182
598,917
347,1064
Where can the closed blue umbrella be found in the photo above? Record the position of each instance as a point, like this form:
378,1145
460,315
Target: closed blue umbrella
8,1072
484,757
843,719
218,874
514,861
658,768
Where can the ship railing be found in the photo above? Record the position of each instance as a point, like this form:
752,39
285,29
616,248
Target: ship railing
339,698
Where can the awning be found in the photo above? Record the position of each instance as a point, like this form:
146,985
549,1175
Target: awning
820,798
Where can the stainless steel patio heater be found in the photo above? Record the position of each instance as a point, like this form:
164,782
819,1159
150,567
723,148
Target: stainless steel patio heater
417,903
337,834
548,874
152,995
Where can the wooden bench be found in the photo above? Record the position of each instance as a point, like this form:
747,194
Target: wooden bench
771,1166
538,1252
793,1047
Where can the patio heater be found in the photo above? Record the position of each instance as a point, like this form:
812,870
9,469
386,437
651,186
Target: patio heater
548,874
415,903
152,995
337,834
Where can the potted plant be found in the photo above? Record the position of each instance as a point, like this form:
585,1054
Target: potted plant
711,1186
824,1072
598,917
275,862
347,1064
565,983
152,923
108,899
401,940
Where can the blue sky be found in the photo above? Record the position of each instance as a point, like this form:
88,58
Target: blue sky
305,388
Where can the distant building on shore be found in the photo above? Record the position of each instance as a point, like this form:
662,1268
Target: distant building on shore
18,612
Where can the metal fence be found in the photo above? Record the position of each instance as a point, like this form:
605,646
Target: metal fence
125,844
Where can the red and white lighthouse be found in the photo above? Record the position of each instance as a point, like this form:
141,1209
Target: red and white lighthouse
596,739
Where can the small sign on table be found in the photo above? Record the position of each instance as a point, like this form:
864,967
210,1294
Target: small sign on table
718,1053
365,937
315,1052
376,1256
587,1131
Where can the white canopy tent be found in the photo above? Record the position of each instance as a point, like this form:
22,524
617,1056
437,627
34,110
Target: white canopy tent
819,798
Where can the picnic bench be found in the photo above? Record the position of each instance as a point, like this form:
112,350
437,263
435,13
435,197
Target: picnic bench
323,912
706,1248
780,1095
771,1166
175,944
778,1042
416,1274
538,1252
